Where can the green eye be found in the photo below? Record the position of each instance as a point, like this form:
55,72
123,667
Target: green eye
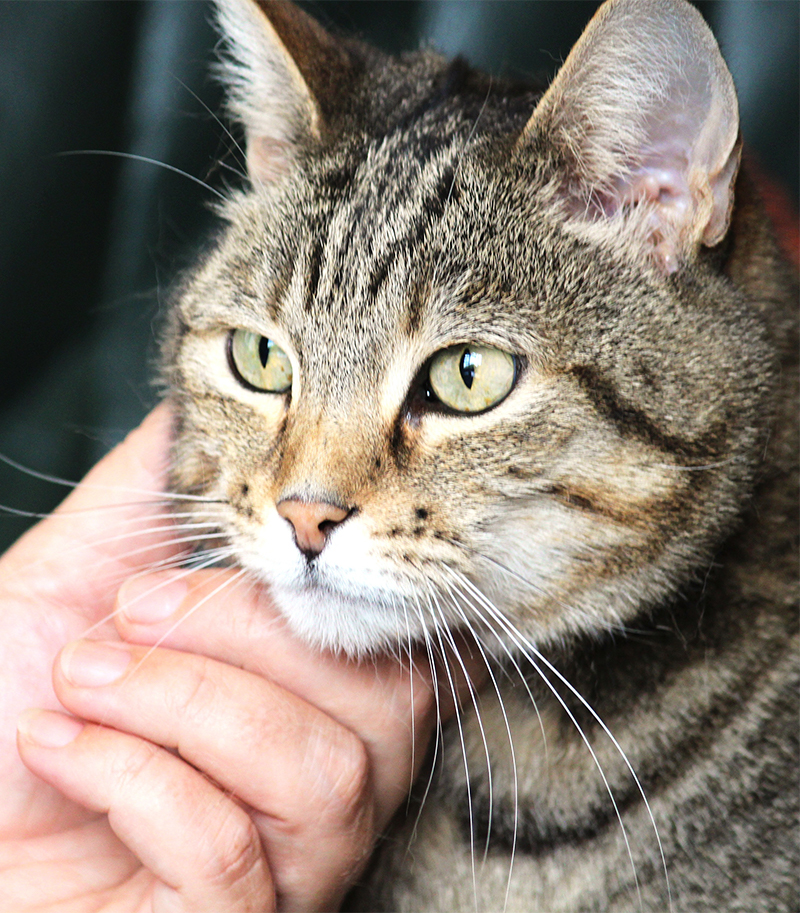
258,363
472,378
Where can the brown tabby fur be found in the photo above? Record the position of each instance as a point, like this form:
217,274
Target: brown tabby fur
627,514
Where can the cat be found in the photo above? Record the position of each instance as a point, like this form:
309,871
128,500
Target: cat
468,355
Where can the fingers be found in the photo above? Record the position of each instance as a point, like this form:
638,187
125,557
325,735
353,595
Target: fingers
391,706
224,615
113,522
305,777
200,845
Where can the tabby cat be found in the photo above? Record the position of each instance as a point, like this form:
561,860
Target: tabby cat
467,355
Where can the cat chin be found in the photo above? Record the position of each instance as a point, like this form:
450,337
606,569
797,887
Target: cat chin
353,625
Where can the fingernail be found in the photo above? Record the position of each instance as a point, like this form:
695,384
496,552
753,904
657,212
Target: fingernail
48,728
151,599
88,664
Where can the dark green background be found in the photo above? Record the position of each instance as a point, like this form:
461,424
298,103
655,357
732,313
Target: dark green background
89,244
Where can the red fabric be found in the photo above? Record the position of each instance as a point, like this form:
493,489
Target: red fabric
784,216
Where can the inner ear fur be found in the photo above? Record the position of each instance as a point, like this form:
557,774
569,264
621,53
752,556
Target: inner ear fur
642,122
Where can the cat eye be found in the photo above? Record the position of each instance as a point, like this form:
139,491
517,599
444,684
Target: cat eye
258,363
471,378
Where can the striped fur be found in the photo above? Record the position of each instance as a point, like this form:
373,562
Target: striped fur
626,514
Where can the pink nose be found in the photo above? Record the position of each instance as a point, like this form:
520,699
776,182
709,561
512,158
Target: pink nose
312,522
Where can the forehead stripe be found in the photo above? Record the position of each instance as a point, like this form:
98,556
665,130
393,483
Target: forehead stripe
431,210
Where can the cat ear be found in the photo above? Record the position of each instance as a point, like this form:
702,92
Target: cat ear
644,111
283,72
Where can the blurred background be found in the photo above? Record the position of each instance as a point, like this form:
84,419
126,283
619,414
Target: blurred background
89,243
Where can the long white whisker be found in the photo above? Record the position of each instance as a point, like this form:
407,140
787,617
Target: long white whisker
411,687
164,500
237,146
34,474
525,645
151,495
624,757
210,561
530,584
490,783
62,513
182,540
142,158
228,582
102,542
482,599
527,649
507,725
445,663
437,745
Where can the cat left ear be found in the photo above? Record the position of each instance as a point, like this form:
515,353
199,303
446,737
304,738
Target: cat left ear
643,122
283,73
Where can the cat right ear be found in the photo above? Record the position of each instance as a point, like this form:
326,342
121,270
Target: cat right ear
642,123
283,74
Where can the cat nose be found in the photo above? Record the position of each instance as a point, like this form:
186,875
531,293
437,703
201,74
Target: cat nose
312,522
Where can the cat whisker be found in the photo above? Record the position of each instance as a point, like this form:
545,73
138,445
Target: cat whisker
242,172
162,501
35,474
238,172
181,540
531,654
106,508
207,560
410,648
150,495
507,724
490,784
9,511
525,645
608,624
228,582
131,156
438,630
621,753
105,540
180,527
430,652
480,596
188,559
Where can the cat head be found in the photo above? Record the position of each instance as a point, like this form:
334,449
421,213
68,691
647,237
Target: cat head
462,355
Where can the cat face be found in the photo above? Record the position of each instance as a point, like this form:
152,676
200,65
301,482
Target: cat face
425,387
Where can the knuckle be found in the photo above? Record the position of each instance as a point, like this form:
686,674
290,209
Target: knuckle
135,766
193,700
235,854
348,783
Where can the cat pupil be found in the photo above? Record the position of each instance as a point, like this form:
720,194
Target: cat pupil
470,361
264,346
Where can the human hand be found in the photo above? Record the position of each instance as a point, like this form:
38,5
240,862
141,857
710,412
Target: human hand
228,767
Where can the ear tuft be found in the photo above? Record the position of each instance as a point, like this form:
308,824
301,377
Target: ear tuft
643,120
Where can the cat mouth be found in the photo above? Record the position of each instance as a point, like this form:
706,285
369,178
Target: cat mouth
319,582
